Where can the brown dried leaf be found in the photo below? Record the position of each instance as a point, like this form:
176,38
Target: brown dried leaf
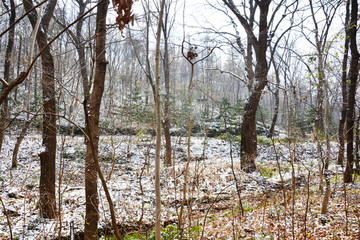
125,16
191,54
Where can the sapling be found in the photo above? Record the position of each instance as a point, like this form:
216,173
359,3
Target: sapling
190,56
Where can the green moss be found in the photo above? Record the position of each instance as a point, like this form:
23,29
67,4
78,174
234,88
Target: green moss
230,137
266,171
264,140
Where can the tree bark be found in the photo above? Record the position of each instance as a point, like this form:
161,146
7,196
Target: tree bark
357,143
158,126
319,120
91,194
7,65
249,49
277,101
248,129
166,64
340,159
14,161
47,156
353,76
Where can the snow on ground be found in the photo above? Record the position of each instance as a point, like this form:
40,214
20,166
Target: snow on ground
130,160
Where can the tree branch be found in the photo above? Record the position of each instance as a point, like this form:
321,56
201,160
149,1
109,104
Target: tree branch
23,75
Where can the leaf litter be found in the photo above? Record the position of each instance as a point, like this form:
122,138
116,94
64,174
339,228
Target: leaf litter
270,212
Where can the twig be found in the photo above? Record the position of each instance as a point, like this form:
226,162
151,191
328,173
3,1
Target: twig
346,210
238,189
307,204
208,210
72,230
3,81
23,75
6,212
228,72
190,57
12,25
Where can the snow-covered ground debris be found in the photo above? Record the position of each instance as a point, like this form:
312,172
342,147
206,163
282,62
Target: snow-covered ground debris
128,164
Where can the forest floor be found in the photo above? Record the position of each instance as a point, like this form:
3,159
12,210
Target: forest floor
274,206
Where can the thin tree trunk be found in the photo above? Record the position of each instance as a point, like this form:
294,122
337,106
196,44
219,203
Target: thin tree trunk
158,126
353,76
14,161
276,112
327,138
325,202
148,64
277,101
319,121
357,143
47,204
47,156
18,67
181,227
249,50
7,65
166,64
249,66
327,125
91,176
340,159
91,196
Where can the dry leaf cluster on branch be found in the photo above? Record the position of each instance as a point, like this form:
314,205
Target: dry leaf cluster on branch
125,16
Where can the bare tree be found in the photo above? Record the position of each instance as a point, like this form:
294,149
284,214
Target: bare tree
166,26
7,65
92,124
353,77
340,160
191,56
158,125
47,155
259,43
322,49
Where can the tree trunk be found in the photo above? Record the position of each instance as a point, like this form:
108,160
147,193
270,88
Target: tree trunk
158,127
249,66
319,121
276,112
14,161
353,76
249,49
47,156
259,43
327,116
7,64
277,102
91,195
327,136
248,129
340,159
18,66
357,143
166,64
149,77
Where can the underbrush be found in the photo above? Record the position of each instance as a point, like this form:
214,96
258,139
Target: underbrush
280,201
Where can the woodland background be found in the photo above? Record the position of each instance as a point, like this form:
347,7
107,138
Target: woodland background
179,120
